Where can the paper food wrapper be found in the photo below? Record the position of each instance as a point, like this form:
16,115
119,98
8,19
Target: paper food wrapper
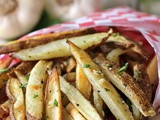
138,26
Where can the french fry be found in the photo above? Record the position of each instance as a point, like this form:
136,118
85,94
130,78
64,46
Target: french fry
34,90
23,79
66,115
15,94
82,83
74,112
98,102
152,71
141,77
53,102
70,77
25,67
60,48
30,42
78,100
126,43
107,92
127,85
71,64
114,55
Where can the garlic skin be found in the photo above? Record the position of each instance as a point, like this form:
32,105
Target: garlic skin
18,17
71,9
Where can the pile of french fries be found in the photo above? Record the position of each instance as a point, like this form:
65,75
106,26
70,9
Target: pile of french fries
77,75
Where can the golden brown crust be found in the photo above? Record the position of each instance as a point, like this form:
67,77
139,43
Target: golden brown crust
130,87
42,39
143,79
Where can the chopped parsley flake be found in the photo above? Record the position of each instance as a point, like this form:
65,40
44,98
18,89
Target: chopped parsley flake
86,66
115,34
3,70
123,68
106,89
110,66
27,76
23,85
35,96
55,103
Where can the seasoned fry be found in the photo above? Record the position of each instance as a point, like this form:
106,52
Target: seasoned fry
152,71
78,100
66,115
53,104
70,77
126,43
98,102
82,83
71,64
15,46
34,90
107,92
23,80
25,67
74,112
141,77
15,94
127,85
60,48
114,55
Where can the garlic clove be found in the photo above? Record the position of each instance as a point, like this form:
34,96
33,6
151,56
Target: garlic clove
71,9
18,17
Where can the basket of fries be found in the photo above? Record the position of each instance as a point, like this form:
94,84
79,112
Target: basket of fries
100,67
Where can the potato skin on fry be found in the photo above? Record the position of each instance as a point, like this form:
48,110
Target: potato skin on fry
53,102
15,94
34,90
60,48
42,39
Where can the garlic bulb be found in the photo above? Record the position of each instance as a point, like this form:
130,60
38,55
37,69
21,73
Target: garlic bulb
18,17
71,9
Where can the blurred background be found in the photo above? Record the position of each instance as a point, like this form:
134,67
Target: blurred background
19,17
